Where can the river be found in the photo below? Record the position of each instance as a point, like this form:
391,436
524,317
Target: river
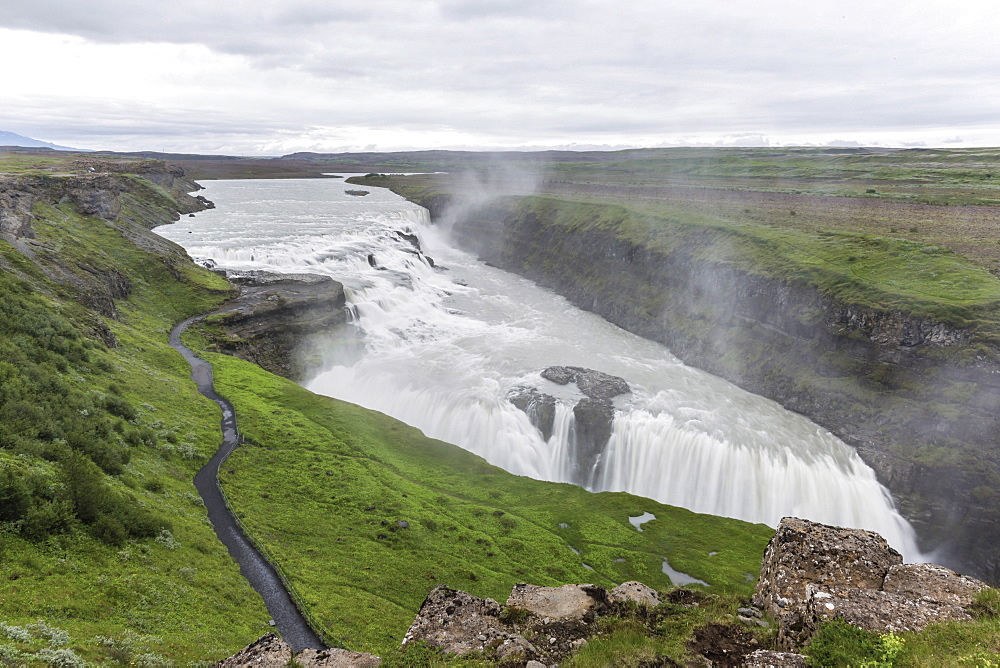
445,338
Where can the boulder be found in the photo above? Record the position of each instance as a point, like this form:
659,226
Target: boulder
931,582
803,553
336,658
568,603
269,651
540,408
594,422
459,623
766,658
636,592
870,609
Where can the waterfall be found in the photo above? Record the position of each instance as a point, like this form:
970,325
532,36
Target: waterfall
447,340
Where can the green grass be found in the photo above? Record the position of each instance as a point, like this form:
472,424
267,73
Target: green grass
133,411
325,486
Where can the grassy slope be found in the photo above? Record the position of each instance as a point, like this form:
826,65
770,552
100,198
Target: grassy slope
328,482
179,597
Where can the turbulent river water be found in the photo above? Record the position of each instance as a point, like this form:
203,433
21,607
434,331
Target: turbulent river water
444,343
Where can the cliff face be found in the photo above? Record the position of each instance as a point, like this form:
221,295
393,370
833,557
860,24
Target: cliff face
917,398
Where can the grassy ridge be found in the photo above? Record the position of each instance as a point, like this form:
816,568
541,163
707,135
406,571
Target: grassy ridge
103,536
329,483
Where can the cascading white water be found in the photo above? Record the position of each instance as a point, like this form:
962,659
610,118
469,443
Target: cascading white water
444,345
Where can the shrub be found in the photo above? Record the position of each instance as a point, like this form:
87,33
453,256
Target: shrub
987,603
838,643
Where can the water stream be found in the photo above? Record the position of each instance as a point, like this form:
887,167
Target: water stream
443,345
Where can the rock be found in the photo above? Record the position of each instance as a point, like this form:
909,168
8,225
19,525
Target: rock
802,553
594,384
336,658
560,375
568,603
765,658
281,322
269,651
535,664
513,648
357,193
540,408
869,609
594,423
931,582
454,621
634,591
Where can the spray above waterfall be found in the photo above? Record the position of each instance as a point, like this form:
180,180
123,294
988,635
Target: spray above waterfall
449,343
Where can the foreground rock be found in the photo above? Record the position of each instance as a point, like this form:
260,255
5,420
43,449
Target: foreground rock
270,651
813,573
278,320
537,623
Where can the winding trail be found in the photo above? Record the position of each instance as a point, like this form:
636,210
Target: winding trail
262,576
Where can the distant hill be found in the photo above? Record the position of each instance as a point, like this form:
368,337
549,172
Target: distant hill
12,139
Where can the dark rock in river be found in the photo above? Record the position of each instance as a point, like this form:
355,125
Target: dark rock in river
594,422
540,408
594,415
595,384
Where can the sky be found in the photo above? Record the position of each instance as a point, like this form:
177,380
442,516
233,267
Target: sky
271,77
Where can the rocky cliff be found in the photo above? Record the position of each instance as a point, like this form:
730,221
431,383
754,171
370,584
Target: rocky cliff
917,396
280,321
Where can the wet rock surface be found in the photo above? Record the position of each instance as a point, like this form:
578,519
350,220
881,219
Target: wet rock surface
593,415
594,384
812,573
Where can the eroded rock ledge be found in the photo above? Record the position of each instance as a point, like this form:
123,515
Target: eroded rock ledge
279,320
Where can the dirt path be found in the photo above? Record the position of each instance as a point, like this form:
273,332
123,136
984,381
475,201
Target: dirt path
262,576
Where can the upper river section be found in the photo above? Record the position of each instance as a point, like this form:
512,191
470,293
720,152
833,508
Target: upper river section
443,341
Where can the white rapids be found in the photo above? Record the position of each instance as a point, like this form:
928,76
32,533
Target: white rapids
444,344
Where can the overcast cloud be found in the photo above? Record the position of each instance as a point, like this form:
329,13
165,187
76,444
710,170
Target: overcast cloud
272,76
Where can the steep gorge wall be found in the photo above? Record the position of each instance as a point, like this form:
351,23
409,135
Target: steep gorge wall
915,397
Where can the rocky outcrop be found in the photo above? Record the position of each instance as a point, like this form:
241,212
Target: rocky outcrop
536,623
279,320
917,397
813,573
270,651
803,553
130,197
593,415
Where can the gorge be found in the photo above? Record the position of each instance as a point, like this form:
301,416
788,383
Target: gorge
442,343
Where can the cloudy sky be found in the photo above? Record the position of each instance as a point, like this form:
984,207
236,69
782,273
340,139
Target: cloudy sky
277,76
